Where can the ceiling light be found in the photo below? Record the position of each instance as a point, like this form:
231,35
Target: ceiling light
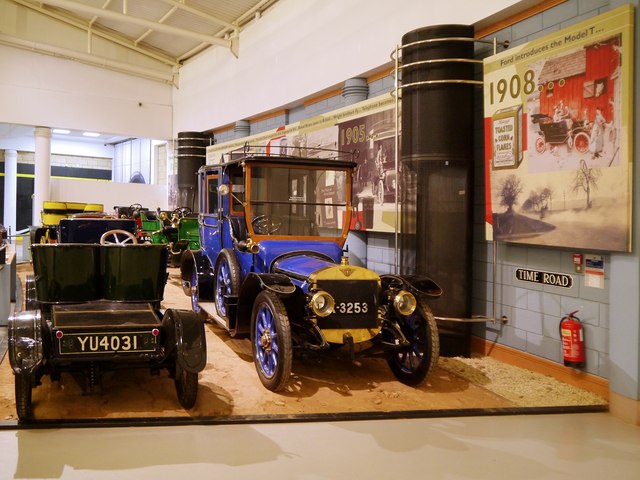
61,131
91,134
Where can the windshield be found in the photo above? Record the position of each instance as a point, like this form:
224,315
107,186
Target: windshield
298,201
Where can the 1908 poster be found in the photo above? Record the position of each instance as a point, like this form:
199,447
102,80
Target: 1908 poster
558,137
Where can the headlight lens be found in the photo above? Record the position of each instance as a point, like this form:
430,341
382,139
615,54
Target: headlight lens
404,302
322,304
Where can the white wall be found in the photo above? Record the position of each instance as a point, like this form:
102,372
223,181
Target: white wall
300,48
42,90
108,193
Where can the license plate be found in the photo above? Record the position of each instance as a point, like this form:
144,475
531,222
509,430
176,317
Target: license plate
96,343
355,304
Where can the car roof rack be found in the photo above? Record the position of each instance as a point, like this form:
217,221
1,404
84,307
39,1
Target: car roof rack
288,151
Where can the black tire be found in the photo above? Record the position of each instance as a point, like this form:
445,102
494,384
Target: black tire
412,365
226,281
186,386
271,341
24,407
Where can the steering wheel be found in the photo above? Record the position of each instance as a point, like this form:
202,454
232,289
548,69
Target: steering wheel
117,237
182,212
266,224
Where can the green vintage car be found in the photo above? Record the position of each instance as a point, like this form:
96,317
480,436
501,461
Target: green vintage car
101,315
178,228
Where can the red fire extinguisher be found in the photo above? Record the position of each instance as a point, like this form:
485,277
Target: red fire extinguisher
572,335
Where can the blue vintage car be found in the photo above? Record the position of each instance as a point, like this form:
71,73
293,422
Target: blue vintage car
272,267
93,305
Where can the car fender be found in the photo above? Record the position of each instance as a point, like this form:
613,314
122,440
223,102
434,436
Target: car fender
184,331
198,260
416,284
251,287
25,341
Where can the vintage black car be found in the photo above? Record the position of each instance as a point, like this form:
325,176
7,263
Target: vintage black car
569,132
272,267
96,307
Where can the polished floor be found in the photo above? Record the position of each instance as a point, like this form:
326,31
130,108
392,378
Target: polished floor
573,446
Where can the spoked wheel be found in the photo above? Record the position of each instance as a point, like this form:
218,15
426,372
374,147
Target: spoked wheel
24,407
581,142
186,386
271,341
227,281
412,365
541,145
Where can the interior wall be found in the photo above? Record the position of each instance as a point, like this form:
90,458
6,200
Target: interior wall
42,90
109,194
304,48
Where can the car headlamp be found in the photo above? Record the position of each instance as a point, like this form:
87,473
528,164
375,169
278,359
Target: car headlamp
404,302
322,303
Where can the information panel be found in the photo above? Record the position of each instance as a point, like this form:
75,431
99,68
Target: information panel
558,137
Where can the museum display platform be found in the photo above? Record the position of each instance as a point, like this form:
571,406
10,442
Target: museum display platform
322,388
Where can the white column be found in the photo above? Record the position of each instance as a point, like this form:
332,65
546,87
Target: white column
10,189
41,186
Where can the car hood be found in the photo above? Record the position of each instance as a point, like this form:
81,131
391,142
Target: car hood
301,265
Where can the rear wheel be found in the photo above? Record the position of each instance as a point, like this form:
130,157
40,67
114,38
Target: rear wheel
413,364
271,341
581,142
226,281
24,407
186,386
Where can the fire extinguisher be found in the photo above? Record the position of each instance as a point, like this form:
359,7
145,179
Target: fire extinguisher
572,335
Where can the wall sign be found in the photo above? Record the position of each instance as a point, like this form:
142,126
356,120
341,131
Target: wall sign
367,127
558,137
545,278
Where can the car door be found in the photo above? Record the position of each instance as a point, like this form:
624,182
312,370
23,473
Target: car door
210,234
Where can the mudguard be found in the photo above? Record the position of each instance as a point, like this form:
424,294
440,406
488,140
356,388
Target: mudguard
251,287
184,331
416,284
199,261
25,341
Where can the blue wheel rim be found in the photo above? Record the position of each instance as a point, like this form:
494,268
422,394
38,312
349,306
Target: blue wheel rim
223,286
266,340
410,360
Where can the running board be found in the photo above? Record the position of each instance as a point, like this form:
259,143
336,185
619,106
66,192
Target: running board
210,309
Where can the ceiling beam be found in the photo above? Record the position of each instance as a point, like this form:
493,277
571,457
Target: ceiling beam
87,58
199,13
77,23
159,27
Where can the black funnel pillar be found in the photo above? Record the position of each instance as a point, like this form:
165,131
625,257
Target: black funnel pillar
191,154
437,157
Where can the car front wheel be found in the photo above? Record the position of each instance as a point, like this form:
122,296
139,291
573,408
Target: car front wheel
414,363
271,341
